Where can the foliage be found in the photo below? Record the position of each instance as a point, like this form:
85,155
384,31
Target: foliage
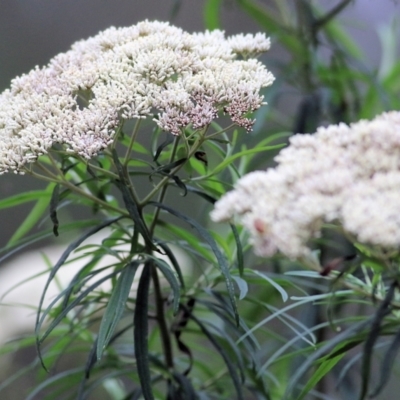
190,312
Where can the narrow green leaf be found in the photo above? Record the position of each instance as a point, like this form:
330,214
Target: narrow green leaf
171,256
345,335
170,277
287,36
242,285
131,206
141,333
67,309
317,375
223,265
383,310
58,265
279,288
240,154
187,389
25,197
239,250
169,139
52,380
33,217
231,368
211,14
387,364
116,306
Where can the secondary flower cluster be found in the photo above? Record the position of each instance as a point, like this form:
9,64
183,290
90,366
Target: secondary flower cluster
151,69
349,174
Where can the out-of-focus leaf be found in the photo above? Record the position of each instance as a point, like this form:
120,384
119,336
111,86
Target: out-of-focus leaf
279,288
239,250
287,36
338,35
318,374
242,285
33,217
387,364
345,335
240,154
25,197
211,14
230,365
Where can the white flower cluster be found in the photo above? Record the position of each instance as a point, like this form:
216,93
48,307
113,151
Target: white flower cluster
150,69
349,174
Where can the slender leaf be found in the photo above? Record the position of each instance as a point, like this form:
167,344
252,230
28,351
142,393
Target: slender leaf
171,256
239,250
141,332
242,285
317,375
33,217
279,288
211,14
240,154
170,277
116,306
131,206
24,197
223,265
231,368
345,335
383,310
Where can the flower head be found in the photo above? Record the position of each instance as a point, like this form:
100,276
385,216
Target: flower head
349,174
151,69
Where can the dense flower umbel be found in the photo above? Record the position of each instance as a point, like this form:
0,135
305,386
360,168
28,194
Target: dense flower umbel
151,69
349,174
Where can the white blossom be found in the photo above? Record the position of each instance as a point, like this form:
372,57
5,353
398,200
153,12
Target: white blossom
346,174
150,70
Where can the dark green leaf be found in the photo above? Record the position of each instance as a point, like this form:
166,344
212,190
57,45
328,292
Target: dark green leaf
239,249
141,332
171,256
131,206
162,146
231,368
170,277
223,265
387,364
345,335
383,310
211,14
116,306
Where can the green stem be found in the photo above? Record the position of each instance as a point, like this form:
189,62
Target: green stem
132,142
212,135
162,323
164,180
76,189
